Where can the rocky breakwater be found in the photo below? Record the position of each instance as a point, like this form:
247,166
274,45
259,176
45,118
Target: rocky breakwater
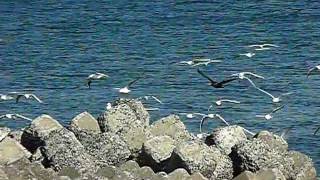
121,144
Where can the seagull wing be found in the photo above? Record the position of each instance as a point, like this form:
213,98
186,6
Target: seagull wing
260,116
254,45
227,81
271,45
277,109
158,100
134,81
250,81
315,132
18,97
255,75
231,101
2,116
285,132
202,121
23,117
222,119
207,77
309,71
265,92
36,98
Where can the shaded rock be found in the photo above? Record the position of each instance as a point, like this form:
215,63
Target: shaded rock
129,119
303,166
84,122
72,173
42,126
246,175
256,154
107,148
198,157
11,151
270,174
36,156
3,175
130,166
226,137
144,172
170,126
156,152
274,141
197,176
179,174
107,172
4,131
62,150
23,169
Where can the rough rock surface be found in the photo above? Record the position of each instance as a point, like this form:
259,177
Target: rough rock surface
156,152
129,119
274,141
303,166
62,149
84,122
42,126
256,154
107,148
245,175
270,174
226,137
11,151
23,169
197,176
198,157
170,126
4,131
179,173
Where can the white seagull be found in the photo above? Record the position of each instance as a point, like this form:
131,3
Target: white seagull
14,116
243,75
6,97
126,90
210,116
269,115
95,76
188,115
198,62
261,47
219,102
249,54
27,96
317,67
274,99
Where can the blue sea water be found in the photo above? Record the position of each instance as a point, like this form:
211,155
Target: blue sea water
52,46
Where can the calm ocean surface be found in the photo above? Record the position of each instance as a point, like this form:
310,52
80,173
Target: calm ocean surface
52,46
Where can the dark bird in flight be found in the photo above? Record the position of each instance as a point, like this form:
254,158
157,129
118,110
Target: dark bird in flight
216,84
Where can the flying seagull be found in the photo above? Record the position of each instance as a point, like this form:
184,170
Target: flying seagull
216,84
261,47
315,132
269,115
274,99
14,116
27,96
6,97
210,116
126,90
153,97
317,67
219,102
198,62
95,76
242,75
249,54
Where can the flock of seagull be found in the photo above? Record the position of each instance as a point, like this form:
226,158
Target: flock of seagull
246,76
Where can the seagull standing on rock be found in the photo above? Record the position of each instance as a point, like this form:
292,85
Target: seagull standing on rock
95,76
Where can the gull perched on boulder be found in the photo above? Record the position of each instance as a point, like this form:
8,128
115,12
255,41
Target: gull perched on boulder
95,76
14,116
